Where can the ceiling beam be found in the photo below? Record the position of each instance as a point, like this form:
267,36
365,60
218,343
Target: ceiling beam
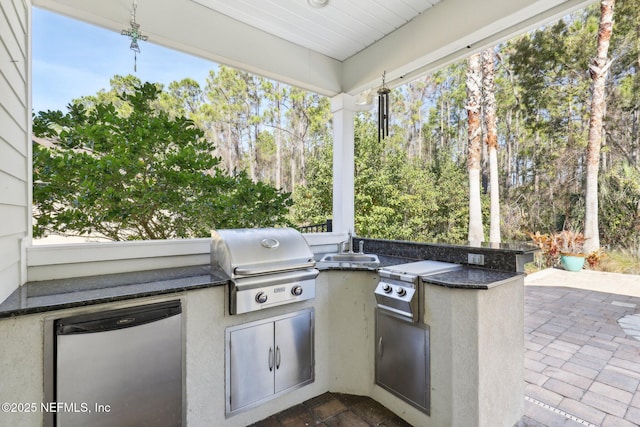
448,32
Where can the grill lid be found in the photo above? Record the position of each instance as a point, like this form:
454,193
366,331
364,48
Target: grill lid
256,251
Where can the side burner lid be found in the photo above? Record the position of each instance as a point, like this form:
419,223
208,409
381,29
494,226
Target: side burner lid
421,268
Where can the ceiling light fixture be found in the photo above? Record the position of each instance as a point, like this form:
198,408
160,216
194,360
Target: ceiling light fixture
318,3
364,101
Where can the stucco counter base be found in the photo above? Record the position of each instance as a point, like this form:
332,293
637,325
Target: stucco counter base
477,357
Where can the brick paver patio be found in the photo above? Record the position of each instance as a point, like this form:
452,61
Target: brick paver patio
581,367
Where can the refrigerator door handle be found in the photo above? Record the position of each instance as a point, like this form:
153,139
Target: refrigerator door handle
117,319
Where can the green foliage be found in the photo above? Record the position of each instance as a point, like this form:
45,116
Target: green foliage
138,175
378,192
402,198
620,206
119,85
395,197
312,203
182,98
445,127
449,221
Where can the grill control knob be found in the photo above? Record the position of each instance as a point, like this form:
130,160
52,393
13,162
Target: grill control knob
296,290
401,291
386,288
261,297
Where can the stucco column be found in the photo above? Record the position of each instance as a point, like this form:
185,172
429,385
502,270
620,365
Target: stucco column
343,107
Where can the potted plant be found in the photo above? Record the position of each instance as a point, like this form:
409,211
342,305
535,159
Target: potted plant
565,247
548,246
571,248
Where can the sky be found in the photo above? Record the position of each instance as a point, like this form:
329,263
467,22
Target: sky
72,59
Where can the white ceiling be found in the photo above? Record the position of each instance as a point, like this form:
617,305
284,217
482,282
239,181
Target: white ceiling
339,30
344,47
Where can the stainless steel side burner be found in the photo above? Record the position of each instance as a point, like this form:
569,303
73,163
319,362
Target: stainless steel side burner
268,267
400,290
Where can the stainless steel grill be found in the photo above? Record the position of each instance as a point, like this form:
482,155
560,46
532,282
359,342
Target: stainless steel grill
267,266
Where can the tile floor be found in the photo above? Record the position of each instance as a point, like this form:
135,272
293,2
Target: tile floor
335,410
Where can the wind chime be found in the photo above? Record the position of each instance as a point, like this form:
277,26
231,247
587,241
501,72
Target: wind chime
383,109
135,35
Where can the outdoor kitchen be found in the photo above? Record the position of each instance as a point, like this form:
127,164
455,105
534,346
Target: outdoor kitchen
268,324
231,329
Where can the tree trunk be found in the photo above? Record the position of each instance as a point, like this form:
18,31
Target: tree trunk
491,140
636,114
636,139
598,69
278,141
441,124
302,132
474,85
293,171
252,142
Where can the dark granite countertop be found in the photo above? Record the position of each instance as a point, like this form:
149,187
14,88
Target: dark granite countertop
401,245
496,256
464,278
49,295
471,278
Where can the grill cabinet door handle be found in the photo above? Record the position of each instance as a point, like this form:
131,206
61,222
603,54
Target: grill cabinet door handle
278,357
270,359
380,348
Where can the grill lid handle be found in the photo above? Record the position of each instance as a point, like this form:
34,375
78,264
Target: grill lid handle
270,243
254,271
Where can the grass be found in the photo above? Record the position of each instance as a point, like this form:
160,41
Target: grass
620,261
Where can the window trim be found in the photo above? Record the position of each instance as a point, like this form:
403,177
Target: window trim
61,253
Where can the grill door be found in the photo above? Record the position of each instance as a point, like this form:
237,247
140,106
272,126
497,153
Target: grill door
402,358
267,358
252,357
294,349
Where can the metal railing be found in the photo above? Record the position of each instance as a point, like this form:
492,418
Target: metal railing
325,227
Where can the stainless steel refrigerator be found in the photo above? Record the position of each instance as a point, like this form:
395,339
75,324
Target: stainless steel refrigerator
120,368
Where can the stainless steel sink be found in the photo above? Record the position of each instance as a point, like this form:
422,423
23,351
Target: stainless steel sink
352,258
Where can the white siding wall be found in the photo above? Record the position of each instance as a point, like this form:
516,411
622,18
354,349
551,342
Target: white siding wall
15,151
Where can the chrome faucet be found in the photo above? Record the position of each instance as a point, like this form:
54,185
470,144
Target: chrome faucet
347,243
